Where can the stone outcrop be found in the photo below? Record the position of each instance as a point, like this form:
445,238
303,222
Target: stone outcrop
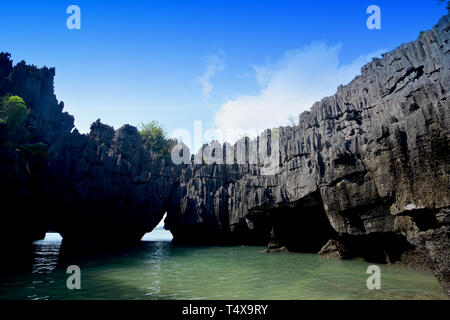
368,167
335,250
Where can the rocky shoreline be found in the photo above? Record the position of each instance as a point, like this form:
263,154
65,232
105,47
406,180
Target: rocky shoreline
364,173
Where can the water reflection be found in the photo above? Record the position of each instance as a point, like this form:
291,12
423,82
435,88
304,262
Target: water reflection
158,234
46,256
160,270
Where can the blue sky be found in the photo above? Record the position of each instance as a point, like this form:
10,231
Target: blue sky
181,61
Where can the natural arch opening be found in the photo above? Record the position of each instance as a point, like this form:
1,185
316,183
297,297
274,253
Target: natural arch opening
52,236
158,233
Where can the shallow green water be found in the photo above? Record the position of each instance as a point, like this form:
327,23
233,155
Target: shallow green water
158,270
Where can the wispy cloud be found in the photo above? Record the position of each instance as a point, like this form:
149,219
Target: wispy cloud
215,63
288,87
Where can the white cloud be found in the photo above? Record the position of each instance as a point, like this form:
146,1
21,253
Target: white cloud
288,87
214,64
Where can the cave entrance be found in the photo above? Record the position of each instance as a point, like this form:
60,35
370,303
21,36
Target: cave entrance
52,236
158,233
301,226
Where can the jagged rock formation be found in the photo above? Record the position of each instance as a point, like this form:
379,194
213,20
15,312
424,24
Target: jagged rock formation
368,166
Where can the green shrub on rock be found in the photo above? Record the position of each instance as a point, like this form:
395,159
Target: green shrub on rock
155,139
14,113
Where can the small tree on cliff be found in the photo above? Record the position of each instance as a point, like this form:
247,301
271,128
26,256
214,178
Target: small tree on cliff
155,138
14,113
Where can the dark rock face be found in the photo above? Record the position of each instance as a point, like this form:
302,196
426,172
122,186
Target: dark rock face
369,166
20,193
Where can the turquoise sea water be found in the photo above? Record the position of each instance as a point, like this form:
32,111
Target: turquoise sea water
160,270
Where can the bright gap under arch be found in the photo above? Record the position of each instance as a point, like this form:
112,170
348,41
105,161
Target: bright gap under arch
158,233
